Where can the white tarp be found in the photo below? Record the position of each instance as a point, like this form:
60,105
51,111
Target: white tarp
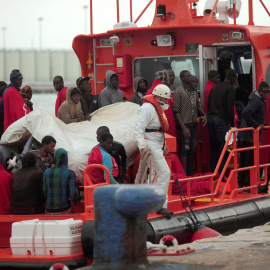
79,138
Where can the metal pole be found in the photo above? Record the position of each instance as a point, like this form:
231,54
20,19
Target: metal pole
40,33
4,37
265,7
250,3
91,17
4,52
130,10
117,8
85,19
143,11
234,14
212,11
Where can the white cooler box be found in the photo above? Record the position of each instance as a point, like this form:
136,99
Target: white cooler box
52,237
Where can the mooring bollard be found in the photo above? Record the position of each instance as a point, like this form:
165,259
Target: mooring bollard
120,225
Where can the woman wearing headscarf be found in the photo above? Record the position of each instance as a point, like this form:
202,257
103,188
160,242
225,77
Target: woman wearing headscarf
26,93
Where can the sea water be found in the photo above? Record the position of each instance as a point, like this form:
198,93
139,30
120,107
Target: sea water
44,101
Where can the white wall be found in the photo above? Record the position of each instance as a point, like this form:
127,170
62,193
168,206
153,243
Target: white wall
40,67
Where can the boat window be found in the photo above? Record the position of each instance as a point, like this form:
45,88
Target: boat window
147,67
246,65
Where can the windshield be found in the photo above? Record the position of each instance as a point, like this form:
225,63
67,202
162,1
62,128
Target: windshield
147,67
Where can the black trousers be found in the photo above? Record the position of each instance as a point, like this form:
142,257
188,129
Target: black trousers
217,131
246,159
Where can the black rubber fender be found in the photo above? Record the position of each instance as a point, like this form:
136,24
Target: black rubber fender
87,238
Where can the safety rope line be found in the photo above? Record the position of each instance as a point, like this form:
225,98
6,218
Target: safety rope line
145,163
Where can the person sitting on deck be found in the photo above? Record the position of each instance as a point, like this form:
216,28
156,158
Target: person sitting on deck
119,154
27,196
253,116
58,84
111,93
26,93
140,89
44,154
59,185
5,187
71,110
99,155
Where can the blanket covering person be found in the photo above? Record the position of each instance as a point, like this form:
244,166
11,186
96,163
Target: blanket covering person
100,156
59,184
14,105
69,111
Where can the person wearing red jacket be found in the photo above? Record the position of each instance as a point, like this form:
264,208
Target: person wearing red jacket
58,84
12,105
162,77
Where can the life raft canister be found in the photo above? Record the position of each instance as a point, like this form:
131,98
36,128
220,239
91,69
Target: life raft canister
161,115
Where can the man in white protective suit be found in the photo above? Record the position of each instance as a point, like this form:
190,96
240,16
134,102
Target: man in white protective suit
150,126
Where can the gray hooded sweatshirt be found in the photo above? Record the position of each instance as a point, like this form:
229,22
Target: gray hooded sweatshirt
109,95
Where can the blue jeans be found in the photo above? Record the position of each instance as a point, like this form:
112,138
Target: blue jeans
192,145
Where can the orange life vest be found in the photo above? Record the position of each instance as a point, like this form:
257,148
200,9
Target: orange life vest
161,115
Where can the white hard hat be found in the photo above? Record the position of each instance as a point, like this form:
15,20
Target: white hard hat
162,90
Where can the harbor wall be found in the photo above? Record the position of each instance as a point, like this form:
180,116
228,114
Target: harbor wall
40,67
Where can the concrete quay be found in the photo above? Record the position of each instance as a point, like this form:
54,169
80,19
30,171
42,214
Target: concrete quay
246,249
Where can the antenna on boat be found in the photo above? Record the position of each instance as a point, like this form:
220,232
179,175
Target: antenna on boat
200,231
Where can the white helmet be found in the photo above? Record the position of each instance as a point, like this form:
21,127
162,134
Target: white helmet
162,90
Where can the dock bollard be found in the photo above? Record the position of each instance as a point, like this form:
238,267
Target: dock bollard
120,225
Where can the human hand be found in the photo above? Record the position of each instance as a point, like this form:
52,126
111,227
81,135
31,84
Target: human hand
166,150
88,117
145,149
204,120
186,133
81,117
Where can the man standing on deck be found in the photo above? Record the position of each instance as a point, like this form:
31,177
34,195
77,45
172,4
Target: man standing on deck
58,84
111,93
220,115
187,107
89,102
151,123
213,79
253,116
171,76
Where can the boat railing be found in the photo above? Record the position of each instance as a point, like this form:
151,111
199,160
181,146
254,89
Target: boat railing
229,191
89,188
231,183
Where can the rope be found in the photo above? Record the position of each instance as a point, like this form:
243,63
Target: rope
145,163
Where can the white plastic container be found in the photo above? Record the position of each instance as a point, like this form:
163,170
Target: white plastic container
52,237
22,241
